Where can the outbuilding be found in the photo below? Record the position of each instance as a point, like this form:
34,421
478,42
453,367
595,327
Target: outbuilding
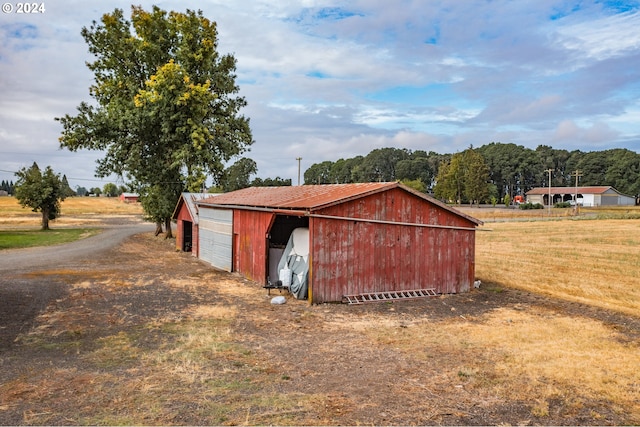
129,197
186,217
592,196
354,239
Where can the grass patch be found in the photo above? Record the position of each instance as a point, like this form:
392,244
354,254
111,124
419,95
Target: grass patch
31,238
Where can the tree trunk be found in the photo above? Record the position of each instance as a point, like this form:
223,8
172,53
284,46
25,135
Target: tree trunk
158,229
167,226
45,219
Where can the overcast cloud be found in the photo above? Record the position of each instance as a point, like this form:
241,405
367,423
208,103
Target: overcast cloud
334,79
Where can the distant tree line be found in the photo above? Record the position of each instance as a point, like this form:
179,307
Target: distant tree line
508,169
108,190
7,186
238,176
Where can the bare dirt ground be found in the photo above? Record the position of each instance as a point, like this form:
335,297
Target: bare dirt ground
114,339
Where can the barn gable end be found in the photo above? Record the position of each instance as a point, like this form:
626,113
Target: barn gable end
393,253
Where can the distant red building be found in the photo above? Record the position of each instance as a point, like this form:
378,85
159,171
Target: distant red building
129,197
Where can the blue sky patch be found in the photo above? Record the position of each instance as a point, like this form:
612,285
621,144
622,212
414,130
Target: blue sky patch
317,74
22,31
335,13
619,6
20,36
315,15
559,13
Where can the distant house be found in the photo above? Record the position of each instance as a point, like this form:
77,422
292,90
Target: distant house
3,193
584,196
129,197
186,217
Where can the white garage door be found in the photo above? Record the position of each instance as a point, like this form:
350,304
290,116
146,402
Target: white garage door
216,237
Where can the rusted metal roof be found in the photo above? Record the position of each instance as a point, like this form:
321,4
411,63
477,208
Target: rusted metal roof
313,197
571,190
189,200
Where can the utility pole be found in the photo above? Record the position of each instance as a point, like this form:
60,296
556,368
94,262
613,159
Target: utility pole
550,171
577,174
298,159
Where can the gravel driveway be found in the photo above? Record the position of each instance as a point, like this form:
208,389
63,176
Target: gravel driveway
58,255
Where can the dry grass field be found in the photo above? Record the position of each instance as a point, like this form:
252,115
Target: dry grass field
595,262
588,261
147,335
75,211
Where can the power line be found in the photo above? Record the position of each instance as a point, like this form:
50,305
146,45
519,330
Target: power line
69,177
98,180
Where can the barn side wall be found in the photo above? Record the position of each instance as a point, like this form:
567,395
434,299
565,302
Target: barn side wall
250,243
350,257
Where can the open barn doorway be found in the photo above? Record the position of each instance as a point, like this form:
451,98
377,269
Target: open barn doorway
278,237
187,236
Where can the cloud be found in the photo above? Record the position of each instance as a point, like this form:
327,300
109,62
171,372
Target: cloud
594,135
604,37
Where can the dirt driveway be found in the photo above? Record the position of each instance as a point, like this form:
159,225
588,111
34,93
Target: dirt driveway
22,299
142,334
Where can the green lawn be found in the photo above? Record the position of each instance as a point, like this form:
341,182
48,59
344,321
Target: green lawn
13,239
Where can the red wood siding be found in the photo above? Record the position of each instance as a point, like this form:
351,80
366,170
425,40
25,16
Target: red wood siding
350,257
250,243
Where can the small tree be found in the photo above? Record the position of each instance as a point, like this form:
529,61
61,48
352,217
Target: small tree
476,176
42,192
416,184
66,188
81,191
449,181
110,189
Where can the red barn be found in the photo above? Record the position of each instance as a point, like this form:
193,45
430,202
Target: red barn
129,197
185,215
362,238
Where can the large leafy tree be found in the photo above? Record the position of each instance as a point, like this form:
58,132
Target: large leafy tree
166,112
41,191
450,179
319,173
476,176
238,175
513,168
464,177
380,165
342,171
271,182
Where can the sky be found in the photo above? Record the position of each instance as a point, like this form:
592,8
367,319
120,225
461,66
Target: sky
326,79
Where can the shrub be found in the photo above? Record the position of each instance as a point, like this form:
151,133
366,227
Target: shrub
562,205
526,206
